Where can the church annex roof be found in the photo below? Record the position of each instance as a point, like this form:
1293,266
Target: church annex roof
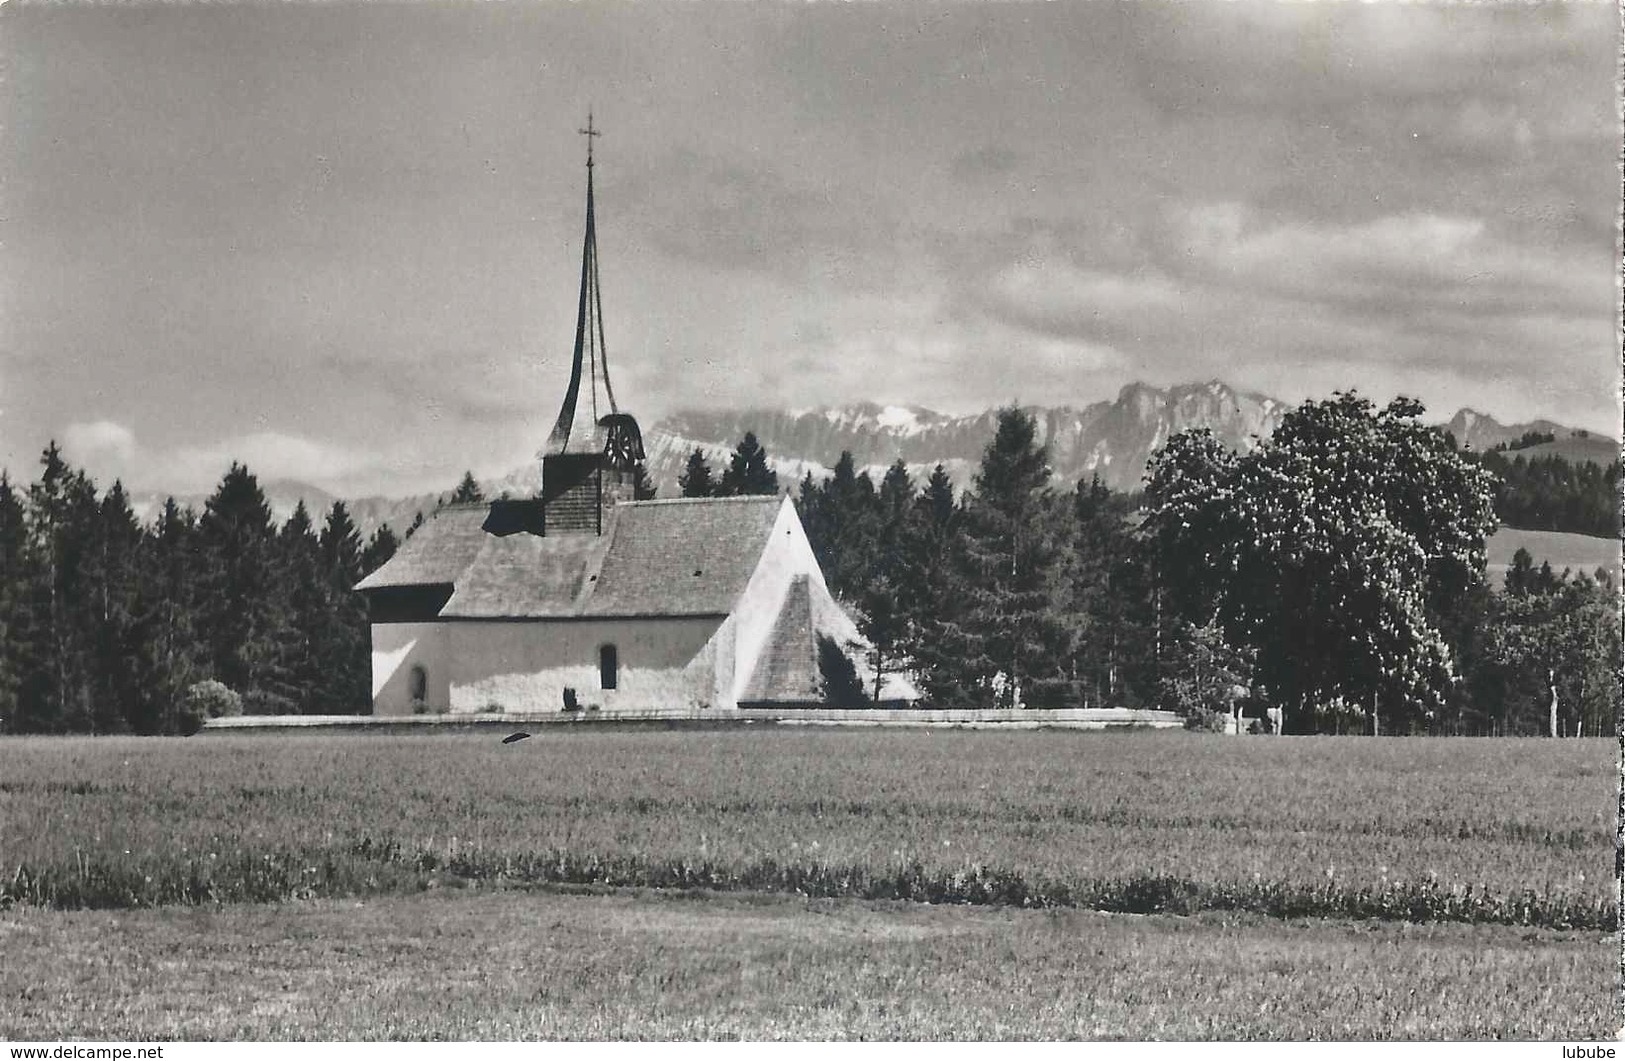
436,553
655,558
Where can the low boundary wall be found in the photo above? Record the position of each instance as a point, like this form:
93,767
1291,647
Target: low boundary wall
1073,718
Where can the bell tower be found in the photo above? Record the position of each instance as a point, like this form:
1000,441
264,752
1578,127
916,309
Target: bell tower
591,458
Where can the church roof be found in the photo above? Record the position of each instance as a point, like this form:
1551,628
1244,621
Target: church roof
682,557
436,553
655,558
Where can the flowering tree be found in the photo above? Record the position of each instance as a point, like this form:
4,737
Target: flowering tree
1332,551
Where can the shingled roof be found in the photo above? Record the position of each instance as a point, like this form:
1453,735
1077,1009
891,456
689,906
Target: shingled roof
682,557
436,553
655,558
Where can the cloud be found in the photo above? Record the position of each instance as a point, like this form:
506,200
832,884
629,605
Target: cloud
1387,266
102,441
109,450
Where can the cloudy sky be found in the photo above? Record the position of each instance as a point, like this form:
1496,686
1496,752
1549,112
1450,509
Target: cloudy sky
339,241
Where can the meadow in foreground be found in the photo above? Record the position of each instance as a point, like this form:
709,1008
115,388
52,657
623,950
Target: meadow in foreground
654,965
1517,831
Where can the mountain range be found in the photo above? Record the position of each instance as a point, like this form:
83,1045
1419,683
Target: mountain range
1110,438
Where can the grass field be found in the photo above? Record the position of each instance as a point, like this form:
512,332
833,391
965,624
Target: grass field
1511,831
518,964
1577,552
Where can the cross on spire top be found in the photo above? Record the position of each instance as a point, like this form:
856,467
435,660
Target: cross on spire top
590,133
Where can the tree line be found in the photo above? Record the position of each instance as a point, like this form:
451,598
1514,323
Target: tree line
1332,580
107,622
1550,493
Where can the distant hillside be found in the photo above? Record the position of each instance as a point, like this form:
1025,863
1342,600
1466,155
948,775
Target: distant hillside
1577,552
1575,447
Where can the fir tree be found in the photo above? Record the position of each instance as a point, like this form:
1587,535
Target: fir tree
380,548
343,651
173,654
748,471
468,491
1007,634
112,621
643,488
57,692
293,682
696,480
242,615
16,562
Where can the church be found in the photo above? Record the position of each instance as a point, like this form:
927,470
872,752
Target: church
583,598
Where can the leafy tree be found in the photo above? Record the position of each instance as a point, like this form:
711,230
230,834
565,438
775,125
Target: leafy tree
696,480
1206,673
468,491
748,471
1332,550
1552,660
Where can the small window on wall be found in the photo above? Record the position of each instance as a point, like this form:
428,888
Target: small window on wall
608,667
417,684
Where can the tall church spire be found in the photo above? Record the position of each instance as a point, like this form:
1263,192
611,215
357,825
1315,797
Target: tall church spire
594,452
571,432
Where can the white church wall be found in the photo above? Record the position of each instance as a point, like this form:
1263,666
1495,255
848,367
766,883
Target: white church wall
396,649
785,555
527,665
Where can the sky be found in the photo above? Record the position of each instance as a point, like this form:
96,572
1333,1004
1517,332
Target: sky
340,242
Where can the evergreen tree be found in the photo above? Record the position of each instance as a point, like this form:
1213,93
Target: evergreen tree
293,684
112,621
172,653
241,611
748,471
343,651
938,597
696,480
417,521
643,488
380,548
468,491
1007,634
846,515
16,562
887,596
1110,615
57,693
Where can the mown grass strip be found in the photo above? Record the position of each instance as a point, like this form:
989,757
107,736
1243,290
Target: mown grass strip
382,867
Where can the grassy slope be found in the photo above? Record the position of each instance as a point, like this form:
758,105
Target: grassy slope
1572,448
1579,552
520,965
